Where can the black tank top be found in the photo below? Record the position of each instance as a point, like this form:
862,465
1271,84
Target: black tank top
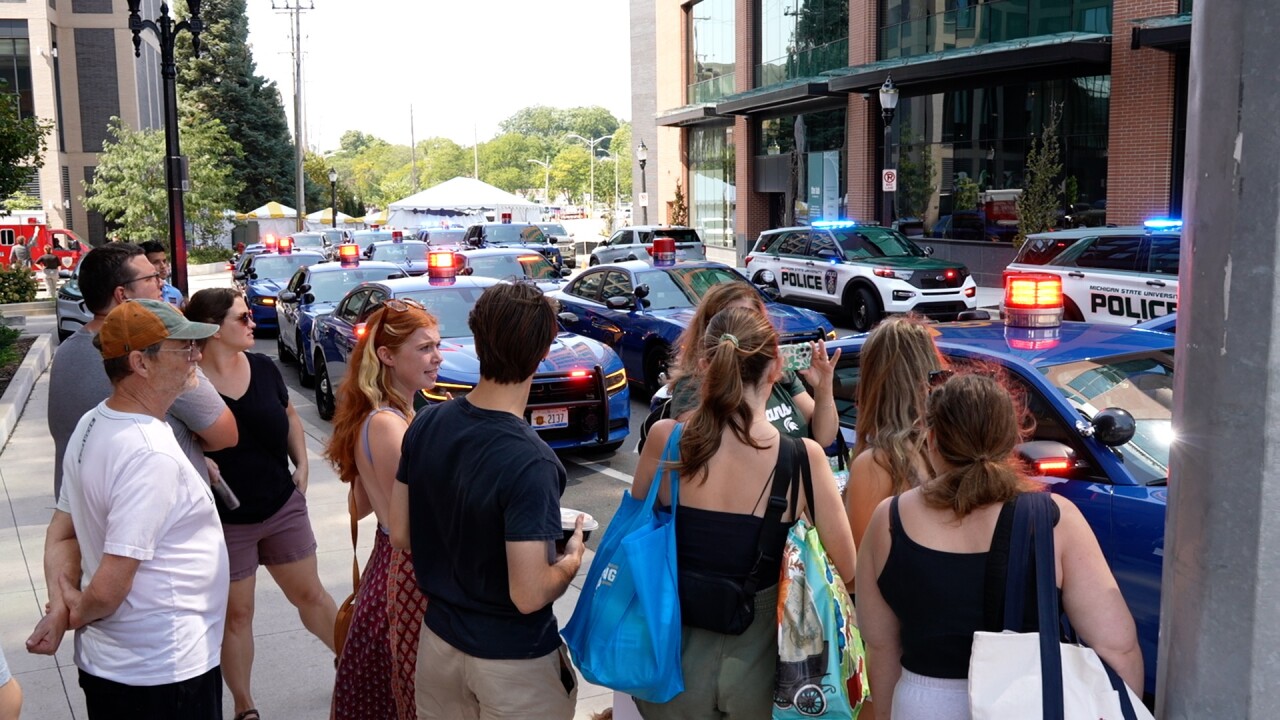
939,598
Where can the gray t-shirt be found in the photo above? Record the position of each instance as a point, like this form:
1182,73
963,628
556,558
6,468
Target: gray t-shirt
78,382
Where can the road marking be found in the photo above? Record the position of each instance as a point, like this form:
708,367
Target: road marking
603,470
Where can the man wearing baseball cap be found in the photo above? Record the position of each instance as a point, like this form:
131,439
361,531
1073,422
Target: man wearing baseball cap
149,619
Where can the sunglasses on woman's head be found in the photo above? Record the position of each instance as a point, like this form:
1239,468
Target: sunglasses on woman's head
401,305
938,377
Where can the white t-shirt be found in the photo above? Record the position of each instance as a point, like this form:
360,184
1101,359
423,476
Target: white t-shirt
133,493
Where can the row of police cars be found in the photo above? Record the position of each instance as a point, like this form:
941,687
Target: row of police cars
1101,390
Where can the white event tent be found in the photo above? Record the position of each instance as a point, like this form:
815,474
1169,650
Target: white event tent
462,200
273,219
320,220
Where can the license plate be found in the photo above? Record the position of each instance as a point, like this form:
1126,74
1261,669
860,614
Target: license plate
549,418
680,253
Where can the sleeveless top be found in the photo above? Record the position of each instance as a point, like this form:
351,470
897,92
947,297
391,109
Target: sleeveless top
940,600
364,440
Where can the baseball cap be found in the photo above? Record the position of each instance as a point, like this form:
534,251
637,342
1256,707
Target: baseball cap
139,324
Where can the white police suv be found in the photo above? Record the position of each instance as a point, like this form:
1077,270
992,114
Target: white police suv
865,271
1113,275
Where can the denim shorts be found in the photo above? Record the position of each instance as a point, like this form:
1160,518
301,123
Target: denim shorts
279,540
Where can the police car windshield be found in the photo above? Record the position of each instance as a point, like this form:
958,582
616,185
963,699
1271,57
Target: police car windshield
1140,383
451,306
329,287
308,241
445,237
514,234
682,287
401,252
280,267
531,266
365,238
553,229
860,244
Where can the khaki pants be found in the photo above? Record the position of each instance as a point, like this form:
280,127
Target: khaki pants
51,281
452,685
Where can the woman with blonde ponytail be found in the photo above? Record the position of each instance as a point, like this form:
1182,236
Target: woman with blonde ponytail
399,355
728,452
922,568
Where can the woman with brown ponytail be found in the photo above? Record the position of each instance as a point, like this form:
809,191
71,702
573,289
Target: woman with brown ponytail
922,566
728,452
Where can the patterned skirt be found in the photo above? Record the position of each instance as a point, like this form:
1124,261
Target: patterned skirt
362,687
405,606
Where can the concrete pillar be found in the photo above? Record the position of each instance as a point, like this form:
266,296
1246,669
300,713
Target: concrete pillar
1220,606
862,117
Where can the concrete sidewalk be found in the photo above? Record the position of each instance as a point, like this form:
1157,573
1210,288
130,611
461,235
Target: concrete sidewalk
293,671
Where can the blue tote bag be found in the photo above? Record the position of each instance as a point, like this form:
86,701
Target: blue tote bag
625,630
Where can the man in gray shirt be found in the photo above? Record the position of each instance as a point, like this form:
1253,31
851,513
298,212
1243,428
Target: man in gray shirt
200,420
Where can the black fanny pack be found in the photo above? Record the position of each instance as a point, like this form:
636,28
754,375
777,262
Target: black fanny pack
726,605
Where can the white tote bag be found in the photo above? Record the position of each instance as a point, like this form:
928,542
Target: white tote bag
1005,684
1034,676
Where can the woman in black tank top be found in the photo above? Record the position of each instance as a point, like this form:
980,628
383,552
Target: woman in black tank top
728,453
922,570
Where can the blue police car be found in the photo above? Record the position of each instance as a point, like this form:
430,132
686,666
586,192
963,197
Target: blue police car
261,276
312,292
640,310
1112,463
579,398
505,263
409,255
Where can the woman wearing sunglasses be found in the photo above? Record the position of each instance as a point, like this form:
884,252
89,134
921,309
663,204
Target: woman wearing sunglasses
271,526
398,356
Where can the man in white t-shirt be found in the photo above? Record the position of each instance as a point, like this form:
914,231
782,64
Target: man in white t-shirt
149,620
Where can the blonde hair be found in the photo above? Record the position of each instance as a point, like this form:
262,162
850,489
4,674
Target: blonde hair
894,379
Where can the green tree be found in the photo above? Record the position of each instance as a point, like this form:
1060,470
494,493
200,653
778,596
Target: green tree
679,207
22,145
441,159
536,121
571,172
966,195
1038,204
916,184
20,201
128,186
504,162
223,83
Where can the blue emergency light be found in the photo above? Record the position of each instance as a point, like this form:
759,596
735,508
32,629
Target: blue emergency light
833,224
1162,224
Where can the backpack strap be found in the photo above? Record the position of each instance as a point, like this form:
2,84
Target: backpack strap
997,571
769,544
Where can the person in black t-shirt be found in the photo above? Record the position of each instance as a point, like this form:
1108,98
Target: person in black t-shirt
271,526
478,502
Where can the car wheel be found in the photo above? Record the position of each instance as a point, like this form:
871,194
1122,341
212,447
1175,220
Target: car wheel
282,352
325,403
304,377
594,261
864,311
770,282
1070,311
655,365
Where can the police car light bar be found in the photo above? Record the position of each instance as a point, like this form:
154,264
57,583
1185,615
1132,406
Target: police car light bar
349,254
441,264
829,224
269,242
1162,224
1032,300
285,246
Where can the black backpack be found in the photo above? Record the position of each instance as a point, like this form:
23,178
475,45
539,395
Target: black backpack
662,412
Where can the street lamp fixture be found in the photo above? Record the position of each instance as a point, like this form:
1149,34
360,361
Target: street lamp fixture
333,194
166,31
591,143
888,104
546,178
642,156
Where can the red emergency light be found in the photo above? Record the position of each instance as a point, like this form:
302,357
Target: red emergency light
269,242
442,264
285,245
579,374
397,236
349,255
1032,300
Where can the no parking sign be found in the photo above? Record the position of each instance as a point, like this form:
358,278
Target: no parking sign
889,180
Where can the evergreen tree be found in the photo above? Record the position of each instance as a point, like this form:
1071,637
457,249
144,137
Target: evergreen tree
679,209
1038,203
224,84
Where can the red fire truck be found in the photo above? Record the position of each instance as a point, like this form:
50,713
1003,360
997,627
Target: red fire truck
32,228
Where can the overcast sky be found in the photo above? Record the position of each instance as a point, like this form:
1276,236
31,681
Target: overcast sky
461,64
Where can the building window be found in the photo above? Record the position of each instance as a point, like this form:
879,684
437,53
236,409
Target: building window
801,38
712,195
712,50
817,177
916,27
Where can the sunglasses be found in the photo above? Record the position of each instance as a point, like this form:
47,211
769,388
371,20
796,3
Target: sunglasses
243,318
401,305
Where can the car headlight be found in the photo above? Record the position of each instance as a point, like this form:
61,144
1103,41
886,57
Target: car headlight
615,381
438,393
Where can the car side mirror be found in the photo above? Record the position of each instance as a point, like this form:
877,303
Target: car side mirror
1114,427
568,318
618,302
770,292
287,297
238,276
253,275
565,271
303,288
964,315
641,292
308,298
1047,457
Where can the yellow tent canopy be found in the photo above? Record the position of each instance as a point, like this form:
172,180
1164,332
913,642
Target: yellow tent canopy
270,211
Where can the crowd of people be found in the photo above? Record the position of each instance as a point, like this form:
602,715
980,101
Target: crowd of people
182,468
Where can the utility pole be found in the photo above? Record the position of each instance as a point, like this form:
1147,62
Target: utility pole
300,179
413,153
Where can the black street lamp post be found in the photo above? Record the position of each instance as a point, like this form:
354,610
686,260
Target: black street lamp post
166,31
642,155
888,104
333,195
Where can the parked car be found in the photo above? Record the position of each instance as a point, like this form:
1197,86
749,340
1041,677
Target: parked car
261,276
508,263
316,241
640,311
69,307
409,255
579,398
635,242
525,236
